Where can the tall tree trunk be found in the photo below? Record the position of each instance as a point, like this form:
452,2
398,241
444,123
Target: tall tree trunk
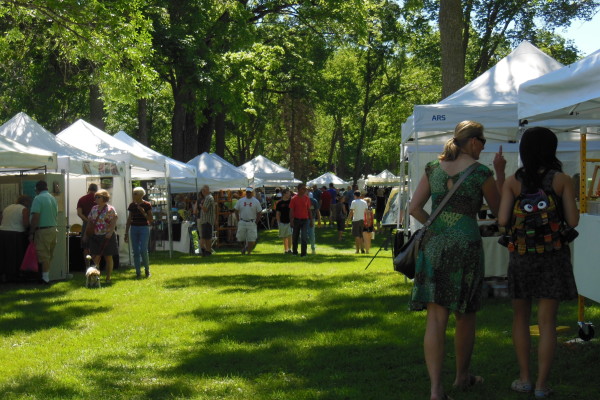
142,112
453,59
205,131
96,108
220,134
183,124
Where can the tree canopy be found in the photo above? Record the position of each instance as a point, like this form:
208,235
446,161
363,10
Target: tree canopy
315,85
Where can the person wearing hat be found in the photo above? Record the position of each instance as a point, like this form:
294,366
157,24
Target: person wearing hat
247,211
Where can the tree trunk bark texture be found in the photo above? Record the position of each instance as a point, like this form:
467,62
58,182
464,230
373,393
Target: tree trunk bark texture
451,36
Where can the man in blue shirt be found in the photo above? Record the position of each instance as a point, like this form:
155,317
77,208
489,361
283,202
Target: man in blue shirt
43,232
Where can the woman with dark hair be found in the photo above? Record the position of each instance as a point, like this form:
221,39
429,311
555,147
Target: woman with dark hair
540,261
450,266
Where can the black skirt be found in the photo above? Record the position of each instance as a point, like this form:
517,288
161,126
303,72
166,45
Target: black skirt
100,246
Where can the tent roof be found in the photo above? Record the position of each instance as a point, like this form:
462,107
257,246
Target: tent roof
182,176
384,176
23,129
490,99
87,137
263,168
567,97
217,173
326,179
16,155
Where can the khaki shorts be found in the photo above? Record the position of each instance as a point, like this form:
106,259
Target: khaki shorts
45,242
358,228
285,230
246,232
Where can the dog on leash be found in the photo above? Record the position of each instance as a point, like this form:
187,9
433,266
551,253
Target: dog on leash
92,275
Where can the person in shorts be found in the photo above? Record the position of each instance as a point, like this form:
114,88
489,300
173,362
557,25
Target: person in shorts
357,215
247,210
282,214
42,228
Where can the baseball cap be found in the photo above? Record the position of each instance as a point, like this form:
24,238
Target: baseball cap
249,189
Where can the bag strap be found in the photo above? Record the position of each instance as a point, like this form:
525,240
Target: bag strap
438,210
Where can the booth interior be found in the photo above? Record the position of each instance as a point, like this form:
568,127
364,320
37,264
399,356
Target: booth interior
14,244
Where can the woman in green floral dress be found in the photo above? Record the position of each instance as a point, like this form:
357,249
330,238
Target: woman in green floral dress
450,267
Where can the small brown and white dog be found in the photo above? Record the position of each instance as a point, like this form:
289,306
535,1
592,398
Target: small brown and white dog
92,275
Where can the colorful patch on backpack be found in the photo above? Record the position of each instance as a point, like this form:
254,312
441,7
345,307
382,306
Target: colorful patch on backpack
536,224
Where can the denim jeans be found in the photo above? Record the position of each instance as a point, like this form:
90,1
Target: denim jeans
300,227
138,238
311,236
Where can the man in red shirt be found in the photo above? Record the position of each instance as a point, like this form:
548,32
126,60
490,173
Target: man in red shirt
300,218
84,206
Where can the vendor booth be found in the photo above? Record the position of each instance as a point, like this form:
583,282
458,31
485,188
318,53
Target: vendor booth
18,163
73,163
87,137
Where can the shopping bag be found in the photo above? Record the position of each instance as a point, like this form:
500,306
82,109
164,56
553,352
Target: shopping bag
30,261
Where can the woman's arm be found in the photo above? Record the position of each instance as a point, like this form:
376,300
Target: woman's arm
420,197
563,186
491,194
507,201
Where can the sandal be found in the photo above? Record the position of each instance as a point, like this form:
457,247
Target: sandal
473,380
521,387
543,393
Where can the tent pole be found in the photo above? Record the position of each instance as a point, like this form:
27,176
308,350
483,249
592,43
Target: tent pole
169,219
127,178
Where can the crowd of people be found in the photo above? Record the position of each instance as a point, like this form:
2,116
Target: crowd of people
450,266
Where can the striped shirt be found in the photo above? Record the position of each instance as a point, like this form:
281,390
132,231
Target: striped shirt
208,216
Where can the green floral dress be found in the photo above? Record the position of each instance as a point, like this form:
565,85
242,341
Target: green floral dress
450,266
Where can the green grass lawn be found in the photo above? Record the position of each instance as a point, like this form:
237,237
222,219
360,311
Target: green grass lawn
269,326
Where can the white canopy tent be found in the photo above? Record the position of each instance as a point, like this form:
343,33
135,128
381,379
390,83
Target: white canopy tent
217,173
271,173
326,179
16,155
87,137
182,177
382,178
23,129
565,98
490,99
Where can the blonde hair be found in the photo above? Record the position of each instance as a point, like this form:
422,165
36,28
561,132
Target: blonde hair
103,193
462,133
139,189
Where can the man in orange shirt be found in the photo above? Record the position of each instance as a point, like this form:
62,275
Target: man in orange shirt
300,219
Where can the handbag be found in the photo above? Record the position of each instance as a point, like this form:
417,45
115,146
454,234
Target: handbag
30,260
406,260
